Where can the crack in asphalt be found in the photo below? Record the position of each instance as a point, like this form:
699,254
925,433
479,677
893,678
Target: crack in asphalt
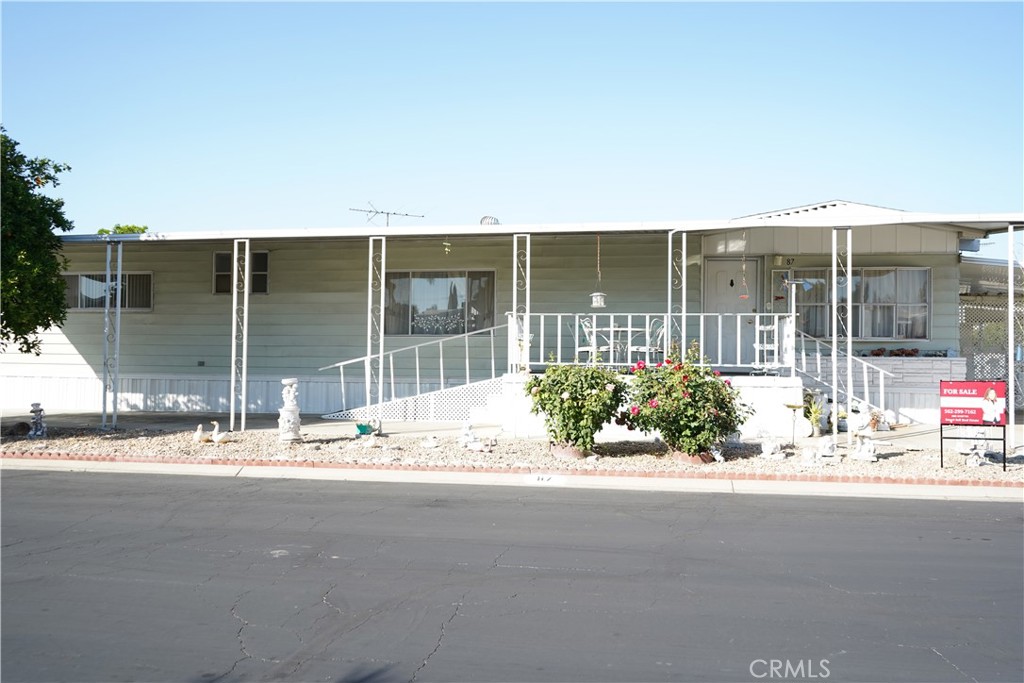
958,669
440,637
494,564
241,641
324,599
867,593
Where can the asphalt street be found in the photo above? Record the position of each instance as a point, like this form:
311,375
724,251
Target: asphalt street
117,577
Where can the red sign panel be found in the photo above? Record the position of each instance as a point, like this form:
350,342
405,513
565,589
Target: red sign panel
972,403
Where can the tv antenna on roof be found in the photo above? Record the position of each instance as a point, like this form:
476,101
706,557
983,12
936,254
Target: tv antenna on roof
373,212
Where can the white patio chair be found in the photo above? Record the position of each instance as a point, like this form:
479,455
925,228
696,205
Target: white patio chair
652,345
587,341
523,342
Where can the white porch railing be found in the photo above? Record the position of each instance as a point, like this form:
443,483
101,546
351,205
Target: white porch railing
865,384
749,342
421,368
745,342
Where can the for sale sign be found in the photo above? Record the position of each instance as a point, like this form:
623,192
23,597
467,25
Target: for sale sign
972,403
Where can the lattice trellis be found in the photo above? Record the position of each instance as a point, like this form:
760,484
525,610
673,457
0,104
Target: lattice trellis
983,339
453,404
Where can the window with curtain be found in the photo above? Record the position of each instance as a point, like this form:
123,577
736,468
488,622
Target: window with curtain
438,303
88,291
888,303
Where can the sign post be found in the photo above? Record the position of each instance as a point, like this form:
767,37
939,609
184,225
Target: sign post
980,403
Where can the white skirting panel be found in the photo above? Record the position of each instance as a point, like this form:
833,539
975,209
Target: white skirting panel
169,394
79,394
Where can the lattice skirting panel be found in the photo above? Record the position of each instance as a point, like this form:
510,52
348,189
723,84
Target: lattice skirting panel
446,405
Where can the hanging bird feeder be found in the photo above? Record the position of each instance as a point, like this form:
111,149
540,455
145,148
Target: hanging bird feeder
597,297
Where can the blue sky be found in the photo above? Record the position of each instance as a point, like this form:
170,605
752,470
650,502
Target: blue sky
233,116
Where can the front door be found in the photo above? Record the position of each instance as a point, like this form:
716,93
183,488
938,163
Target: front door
730,288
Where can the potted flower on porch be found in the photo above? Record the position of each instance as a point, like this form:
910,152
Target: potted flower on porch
688,403
576,401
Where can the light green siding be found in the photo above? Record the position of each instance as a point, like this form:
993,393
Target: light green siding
315,313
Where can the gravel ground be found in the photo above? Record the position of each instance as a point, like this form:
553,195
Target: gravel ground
741,459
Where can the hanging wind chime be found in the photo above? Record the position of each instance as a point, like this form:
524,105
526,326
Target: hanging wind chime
597,296
745,293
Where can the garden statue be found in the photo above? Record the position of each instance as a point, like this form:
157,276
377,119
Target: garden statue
771,450
38,430
827,451
864,432
289,422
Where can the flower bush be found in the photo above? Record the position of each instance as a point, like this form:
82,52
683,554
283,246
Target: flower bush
688,403
576,401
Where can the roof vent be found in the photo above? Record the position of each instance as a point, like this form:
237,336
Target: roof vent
489,220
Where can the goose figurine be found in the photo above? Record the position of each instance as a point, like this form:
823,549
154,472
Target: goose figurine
218,437
467,437
479,446
199,436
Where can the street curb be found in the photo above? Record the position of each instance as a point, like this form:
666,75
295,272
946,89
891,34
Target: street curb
706,482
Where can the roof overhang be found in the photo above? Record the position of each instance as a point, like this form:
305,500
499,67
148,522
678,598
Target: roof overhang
968,225
985,276
417,231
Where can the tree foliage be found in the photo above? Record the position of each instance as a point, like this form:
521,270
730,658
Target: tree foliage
31,260
119,229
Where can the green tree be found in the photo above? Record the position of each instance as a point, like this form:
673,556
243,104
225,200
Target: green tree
31,260
119,229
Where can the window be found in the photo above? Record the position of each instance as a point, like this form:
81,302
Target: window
888,303
439,303
87,291
259,272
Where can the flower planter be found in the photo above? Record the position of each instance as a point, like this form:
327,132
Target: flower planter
693,459
563,451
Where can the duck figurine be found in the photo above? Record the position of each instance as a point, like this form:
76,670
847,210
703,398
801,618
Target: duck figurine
218,437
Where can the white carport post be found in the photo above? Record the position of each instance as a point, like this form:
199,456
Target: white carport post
842,259
520,307
112,336
240,273
676,289
375,305
1011,345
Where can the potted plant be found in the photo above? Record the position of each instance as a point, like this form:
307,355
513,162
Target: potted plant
814,409
841,422
576,401
688,403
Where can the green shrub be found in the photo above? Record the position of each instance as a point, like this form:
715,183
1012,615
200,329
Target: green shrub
688,403
576,401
